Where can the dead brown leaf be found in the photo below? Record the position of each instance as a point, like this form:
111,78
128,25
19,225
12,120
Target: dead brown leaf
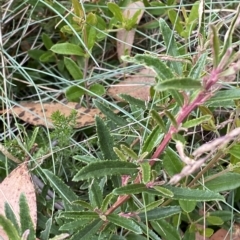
223,234
220,235
40,114
126,38
137,85
17,182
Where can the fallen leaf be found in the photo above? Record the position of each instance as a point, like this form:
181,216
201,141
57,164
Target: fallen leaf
126,38
137,85
223,234
40,113
220,235
18,182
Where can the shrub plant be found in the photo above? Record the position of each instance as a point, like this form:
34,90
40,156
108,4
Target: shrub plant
167,168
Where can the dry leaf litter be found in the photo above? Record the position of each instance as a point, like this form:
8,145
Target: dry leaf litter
40,113
18,182
137,86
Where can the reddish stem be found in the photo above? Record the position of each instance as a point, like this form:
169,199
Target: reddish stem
202,97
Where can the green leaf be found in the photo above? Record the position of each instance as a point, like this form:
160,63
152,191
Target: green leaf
196,121
77,7
83,204
117,12
191,20
9,228
187,206
171,45
197,70
235,151
152,205
106,202
105,139
157,8
35,54
133,101
130,189
215,45
95,194
105,168
92,19
207,231
74,93
91,37
47,57
150,25
129,152
223,104
175,20
60,187
32,139
155,115
164,191
177,96
148,232
47,41
131,23
189,233
69,29
225,95
171,162
225,182
194,194
162,70
165,229
73,68
101,25
171,118
120,154
11,216
178,84
98,89
25,218
146,172
124,223
74,225
223,214
131,236
193,16
47,228
152,140
159,213
61,66
79,214
85,158
213,220
110,114
229,34
67,49
88,231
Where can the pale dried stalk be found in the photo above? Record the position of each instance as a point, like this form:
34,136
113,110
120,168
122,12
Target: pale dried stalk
193,164
8,154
